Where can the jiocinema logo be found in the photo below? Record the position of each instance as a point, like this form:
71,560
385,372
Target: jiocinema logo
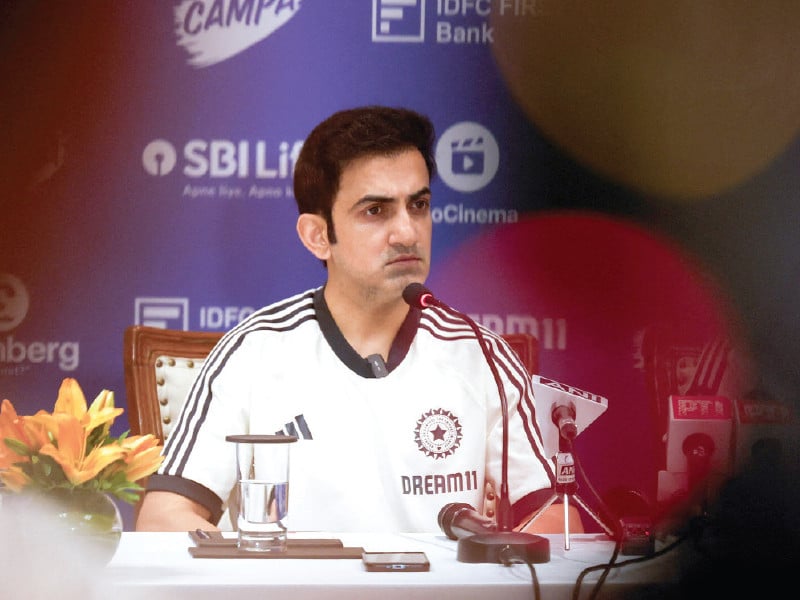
467,156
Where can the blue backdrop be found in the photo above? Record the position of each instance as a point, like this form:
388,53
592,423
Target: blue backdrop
148,147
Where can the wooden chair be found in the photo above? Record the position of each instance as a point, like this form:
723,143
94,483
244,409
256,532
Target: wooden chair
526,345
160,367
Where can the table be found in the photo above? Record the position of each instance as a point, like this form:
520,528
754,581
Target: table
158,566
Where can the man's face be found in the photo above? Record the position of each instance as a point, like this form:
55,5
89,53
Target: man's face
382,219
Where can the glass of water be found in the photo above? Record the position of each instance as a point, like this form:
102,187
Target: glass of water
262,465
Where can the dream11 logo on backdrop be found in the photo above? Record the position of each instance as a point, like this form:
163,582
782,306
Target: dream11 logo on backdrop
212,31
17,356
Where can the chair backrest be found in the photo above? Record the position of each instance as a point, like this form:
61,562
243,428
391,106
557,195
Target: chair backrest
526,345
160,367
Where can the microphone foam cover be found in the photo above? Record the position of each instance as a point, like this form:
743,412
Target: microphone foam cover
414,293
447,515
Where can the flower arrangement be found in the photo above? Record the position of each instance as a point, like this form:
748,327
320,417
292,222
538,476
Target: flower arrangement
72,449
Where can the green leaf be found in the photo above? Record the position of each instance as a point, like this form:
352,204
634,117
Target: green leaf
96,438
18,447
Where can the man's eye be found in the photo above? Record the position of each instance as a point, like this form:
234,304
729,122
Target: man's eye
374,210
422,204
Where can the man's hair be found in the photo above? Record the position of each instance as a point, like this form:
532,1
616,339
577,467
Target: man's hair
346,136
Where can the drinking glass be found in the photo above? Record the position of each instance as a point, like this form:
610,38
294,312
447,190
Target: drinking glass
262,466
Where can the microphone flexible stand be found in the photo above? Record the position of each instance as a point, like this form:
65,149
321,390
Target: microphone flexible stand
566,489
504,545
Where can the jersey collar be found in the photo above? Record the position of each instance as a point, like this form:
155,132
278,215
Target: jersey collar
351,359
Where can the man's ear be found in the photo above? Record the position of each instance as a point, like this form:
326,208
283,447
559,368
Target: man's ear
313,232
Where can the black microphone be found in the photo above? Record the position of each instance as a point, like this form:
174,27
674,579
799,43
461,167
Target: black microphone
563,416
479,540
418,296
459,520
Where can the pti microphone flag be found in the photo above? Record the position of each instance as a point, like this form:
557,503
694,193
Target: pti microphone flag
764,430
699,435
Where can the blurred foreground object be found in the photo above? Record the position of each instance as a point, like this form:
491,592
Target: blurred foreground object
679,99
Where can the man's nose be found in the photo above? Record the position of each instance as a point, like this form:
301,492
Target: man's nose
403,229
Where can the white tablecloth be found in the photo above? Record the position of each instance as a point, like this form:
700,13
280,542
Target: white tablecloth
158,566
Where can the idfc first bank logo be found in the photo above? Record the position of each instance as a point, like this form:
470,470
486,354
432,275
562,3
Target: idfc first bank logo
398,20
212,31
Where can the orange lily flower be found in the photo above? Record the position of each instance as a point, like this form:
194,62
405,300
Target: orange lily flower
72,448
31,434
71,453
14,479
143,456
10,427
71,401
101,411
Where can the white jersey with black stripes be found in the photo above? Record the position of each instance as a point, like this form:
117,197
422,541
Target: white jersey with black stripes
375,453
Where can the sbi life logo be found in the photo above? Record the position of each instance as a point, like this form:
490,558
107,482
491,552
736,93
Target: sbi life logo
467,156
223,158
159,157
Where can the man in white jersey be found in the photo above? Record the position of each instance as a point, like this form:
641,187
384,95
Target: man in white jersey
396,410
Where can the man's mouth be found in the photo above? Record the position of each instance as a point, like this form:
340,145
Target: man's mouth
405,258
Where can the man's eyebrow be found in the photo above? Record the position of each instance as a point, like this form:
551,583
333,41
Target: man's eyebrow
426,191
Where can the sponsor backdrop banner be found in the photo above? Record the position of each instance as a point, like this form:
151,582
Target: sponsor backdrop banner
151,146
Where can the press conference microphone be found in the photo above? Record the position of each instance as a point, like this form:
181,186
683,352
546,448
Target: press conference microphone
459,520
418,296
564,417
479,540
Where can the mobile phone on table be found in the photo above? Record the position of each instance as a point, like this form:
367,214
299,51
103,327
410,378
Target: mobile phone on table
395,561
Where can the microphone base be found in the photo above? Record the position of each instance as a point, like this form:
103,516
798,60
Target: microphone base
503,547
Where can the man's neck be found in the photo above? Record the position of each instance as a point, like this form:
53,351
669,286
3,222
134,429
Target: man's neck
368,326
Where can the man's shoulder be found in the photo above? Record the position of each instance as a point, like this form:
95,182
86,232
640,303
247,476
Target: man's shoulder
282,316
454,335
443,326
301,301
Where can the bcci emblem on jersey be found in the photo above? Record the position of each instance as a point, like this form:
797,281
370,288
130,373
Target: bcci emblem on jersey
438,433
